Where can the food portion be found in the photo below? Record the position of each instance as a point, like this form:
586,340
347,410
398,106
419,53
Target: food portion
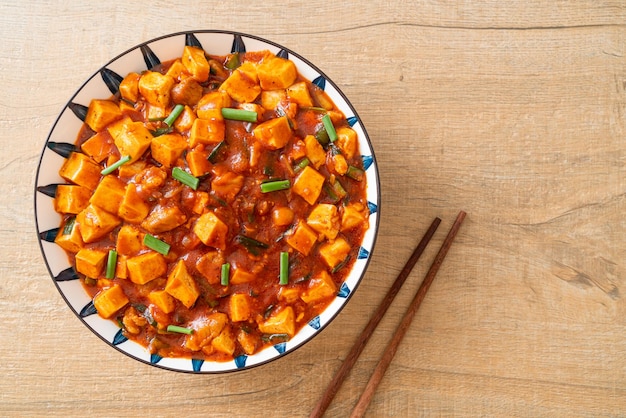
215,205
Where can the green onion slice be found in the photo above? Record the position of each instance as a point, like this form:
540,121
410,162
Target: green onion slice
179,330
111,264
178,109
185,178
239,114
156,244
275,185
213,155
69,225
225,277
284,268
115,165
301,164
330,128
355,173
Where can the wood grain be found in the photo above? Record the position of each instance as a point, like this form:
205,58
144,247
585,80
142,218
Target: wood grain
513,111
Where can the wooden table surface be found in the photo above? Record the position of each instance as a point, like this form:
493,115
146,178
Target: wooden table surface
511,111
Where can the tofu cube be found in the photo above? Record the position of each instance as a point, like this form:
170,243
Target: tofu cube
181,285
299,93
176,70
70,241
109,301
243,83
146,267
98,147
94,223
131,138
101,113
320,287
133,208
71,198
274,133
184,122
198,163
353,215
224,342
168,148
347,141
324,218
283,322
109,194
211,230
80,169
302,238
334,252
129,87
90,262
247,341
162,300
239,305
205,330
195,62
314,151
211,104
227,185
241,276
155,87
209,265
206,131
270,99
129,240
121,270
276,73
308,184
187,92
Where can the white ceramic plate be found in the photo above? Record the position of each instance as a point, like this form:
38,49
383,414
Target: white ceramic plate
64,132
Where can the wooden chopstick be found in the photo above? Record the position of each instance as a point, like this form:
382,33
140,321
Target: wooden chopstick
390,351
367,332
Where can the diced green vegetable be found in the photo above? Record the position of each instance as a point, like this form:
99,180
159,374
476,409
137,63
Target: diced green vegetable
239,114
156,244
275,185
252,245
284,268
111,264
69,225
185,178
330,128
225,277
355,173
115,165
178,109
179,330
301,164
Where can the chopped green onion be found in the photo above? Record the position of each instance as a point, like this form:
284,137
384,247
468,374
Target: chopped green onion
185,178
225,274
303,163
179,330
156,244
275,338
90,281
355,173
314,109
232,61
115,165
178,109
252,245
162,131
339,190
69,225
275,185
239,114
111,264
322,136
213,155
341,264
284,268
330,128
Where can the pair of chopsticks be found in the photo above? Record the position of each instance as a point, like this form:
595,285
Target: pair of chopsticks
367,332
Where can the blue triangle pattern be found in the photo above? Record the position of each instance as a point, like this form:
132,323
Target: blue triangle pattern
352,120
155,358
50,235
49,190
196,364
367,161
315,323
283,54
67,275
62,148
88,309
191,40
344,291
111,79
240,361
238,45
119,338
320,82
79,110
281,348
149,57
363,253
372,207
